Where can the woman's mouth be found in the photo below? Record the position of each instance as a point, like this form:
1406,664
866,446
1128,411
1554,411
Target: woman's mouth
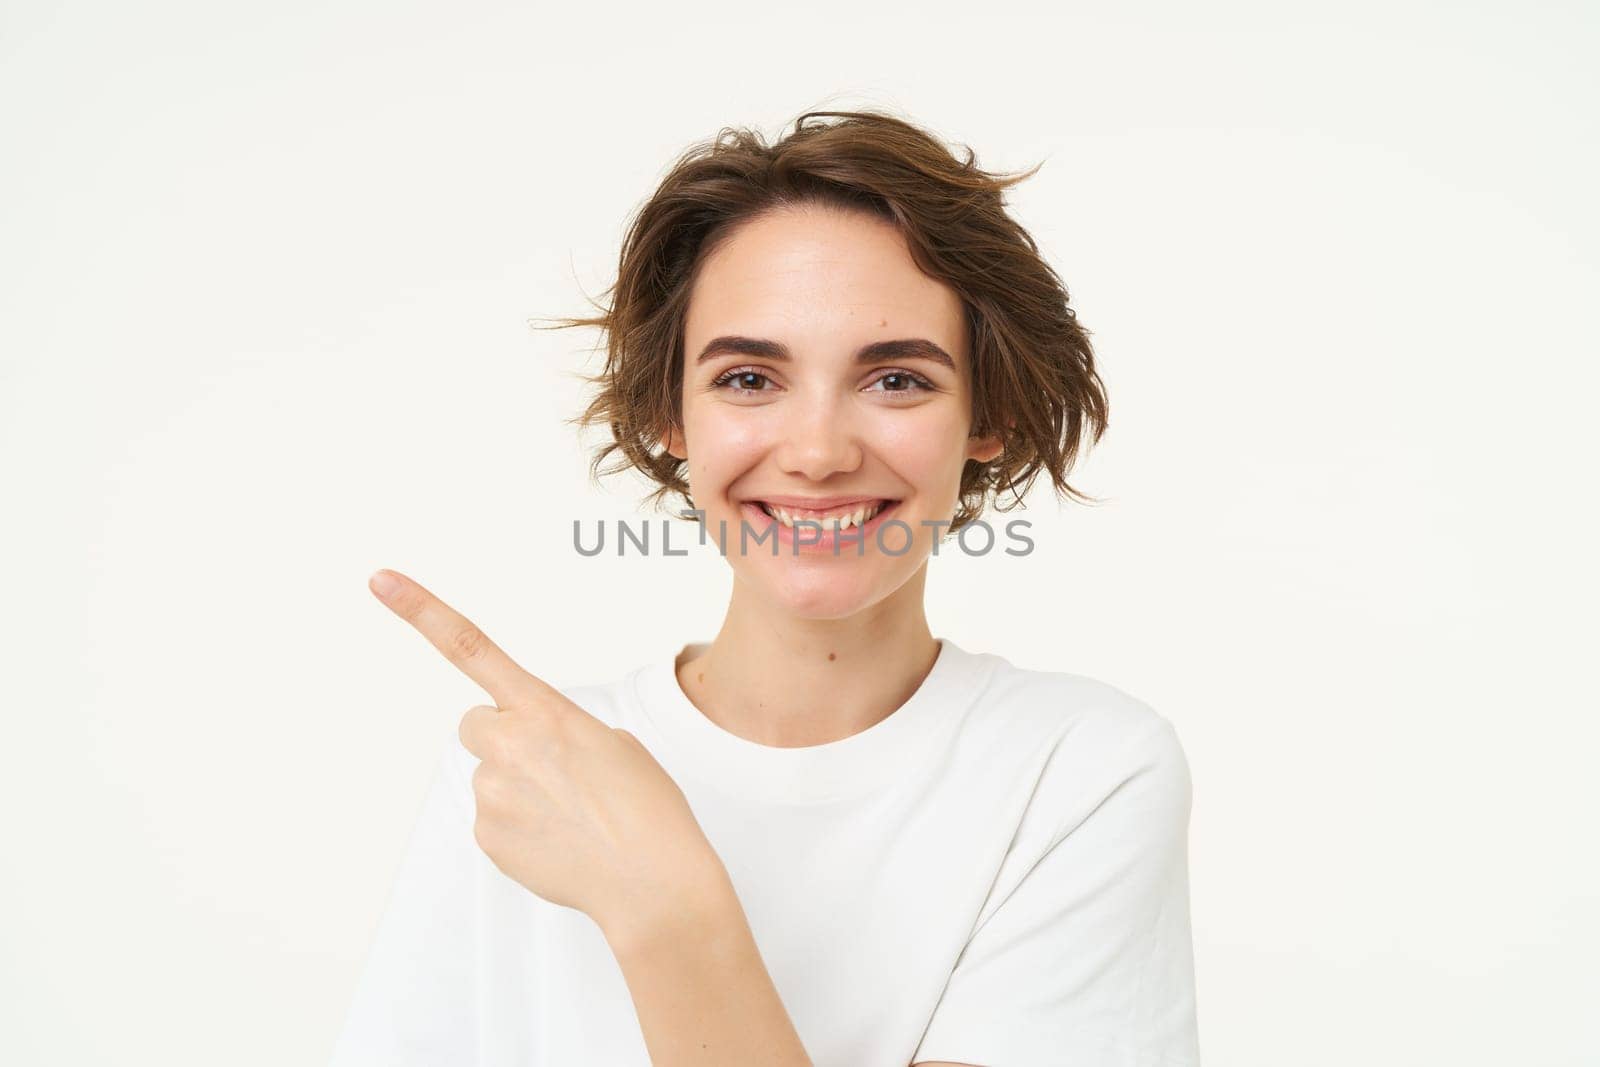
847,517
810,530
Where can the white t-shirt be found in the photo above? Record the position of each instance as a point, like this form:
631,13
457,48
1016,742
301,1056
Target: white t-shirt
995,874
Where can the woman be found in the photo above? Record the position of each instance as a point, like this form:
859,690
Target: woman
825,835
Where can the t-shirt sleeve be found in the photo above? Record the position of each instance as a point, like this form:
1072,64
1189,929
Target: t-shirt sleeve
415,1001
1088,962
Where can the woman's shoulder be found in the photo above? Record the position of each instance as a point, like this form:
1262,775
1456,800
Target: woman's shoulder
1081,739
1079,709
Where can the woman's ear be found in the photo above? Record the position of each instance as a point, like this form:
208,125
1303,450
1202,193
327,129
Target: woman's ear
983,449
673,442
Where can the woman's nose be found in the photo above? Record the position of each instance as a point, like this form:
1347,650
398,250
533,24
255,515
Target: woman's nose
818,438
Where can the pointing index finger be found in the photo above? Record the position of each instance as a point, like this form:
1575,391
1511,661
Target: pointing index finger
461,642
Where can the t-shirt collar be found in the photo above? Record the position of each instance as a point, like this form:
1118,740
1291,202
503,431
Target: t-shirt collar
872,758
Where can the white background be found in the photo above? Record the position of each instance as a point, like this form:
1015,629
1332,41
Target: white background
264,287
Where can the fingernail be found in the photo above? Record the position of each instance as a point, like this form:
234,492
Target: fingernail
383,583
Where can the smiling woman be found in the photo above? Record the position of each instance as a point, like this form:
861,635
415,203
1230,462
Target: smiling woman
825,835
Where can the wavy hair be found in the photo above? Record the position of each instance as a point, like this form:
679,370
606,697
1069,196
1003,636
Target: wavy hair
1034,381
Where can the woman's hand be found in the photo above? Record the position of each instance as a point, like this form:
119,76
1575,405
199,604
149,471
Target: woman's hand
577,811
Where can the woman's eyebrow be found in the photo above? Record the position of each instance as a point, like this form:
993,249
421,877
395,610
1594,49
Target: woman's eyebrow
876,352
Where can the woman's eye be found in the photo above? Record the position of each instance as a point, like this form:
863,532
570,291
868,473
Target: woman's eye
747,382
741,380
900,381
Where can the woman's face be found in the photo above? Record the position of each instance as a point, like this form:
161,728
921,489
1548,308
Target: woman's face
784,405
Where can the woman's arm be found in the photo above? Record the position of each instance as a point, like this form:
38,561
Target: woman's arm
700,988
549,774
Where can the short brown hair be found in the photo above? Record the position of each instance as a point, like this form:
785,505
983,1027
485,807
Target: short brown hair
1034,381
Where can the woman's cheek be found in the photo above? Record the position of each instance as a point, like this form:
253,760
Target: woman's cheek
740,435
905,446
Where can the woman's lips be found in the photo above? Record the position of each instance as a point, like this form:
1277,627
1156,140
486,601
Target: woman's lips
789,542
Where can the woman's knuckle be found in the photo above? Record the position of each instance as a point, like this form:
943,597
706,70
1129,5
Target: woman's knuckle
467,642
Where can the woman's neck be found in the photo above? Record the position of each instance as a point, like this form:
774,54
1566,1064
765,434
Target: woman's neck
788,682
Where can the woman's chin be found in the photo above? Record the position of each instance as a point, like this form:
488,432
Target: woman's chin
811,592
821,605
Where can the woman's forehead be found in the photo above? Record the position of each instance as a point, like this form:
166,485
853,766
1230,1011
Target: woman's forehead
824,271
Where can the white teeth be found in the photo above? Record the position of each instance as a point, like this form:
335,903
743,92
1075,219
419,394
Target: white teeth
845,519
